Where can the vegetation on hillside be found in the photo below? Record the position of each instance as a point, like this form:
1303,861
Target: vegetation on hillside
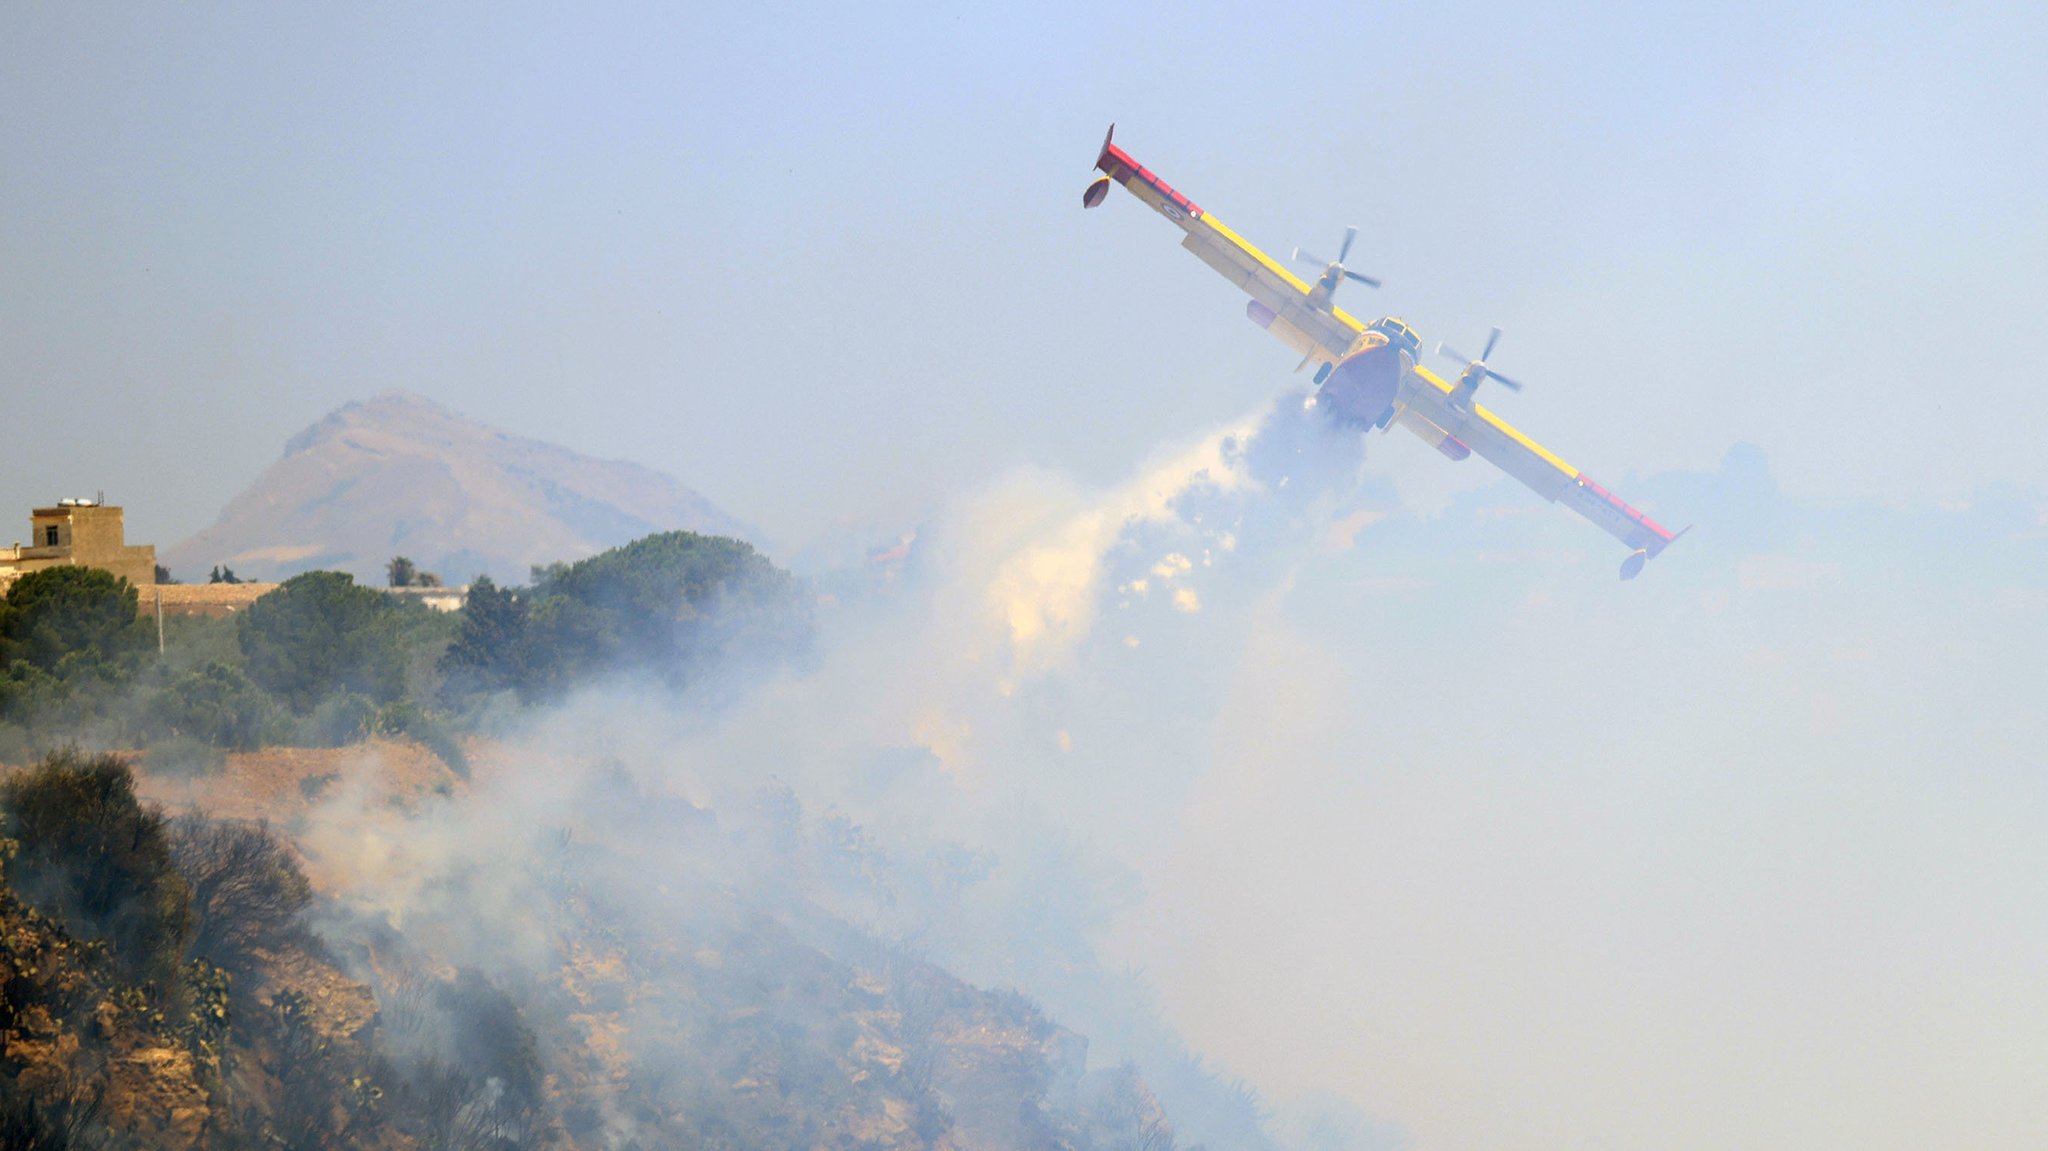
323,661
667,606
160,987
644,973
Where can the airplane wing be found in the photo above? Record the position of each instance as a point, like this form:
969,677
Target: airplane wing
1282,303
1279,298
1428,408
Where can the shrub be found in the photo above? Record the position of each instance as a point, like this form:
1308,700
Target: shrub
408,719
472,1070
27,692
339,721
69,1118
216,704
97,861
248,891
312,786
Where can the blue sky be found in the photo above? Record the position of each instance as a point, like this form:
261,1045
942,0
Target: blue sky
1462,831
828,264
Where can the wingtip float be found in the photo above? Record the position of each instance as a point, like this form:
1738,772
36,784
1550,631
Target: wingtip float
1366,373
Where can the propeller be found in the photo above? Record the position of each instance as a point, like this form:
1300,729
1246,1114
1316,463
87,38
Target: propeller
1477,368
1337,265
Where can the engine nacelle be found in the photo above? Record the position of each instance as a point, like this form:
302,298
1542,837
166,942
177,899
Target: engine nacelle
1454,447
1097,192
1259,313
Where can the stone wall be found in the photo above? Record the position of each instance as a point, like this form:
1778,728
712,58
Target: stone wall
207,599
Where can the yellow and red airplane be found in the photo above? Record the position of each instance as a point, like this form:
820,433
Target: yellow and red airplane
1366,373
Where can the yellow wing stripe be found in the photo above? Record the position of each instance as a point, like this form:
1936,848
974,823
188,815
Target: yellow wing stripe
1501,425
1534,448
1287,277
1267,262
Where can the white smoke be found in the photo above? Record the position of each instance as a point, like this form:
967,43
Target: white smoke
1025,704
1445,848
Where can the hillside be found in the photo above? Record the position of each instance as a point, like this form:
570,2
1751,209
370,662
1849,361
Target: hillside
637,972
401,475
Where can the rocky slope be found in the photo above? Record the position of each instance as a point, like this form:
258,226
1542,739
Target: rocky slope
401,475
589,987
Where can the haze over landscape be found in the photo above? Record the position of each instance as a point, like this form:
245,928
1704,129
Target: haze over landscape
1351,769
399,475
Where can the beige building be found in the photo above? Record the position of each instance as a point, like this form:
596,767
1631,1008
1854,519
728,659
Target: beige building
82,532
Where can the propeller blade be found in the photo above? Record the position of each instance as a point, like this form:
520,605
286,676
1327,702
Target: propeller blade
1443,349
1490,342
1503,380
1344,253
1368,281
1302,257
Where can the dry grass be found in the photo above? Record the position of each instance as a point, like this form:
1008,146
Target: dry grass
281,784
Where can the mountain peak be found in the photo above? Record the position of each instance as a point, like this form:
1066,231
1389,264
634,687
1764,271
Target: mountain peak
399,474
392,409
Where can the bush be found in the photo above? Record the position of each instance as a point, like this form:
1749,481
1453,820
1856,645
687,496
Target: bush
216,704
70,1118
97,861
472,1074
27,692
339,721
248,891
408,719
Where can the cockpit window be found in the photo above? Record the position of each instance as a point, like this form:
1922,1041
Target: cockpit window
1398,332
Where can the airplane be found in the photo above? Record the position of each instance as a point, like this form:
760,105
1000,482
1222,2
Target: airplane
1366,373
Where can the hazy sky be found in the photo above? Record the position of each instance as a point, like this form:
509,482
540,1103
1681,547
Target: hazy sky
1466,833
827,263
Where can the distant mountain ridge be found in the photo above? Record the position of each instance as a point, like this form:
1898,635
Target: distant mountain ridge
398,474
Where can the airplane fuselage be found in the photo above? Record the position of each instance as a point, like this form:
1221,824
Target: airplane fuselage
1362,387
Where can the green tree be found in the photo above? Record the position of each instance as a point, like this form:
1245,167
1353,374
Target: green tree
489,651
59,611
672,599
96,860
665,603
400,572
320,633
